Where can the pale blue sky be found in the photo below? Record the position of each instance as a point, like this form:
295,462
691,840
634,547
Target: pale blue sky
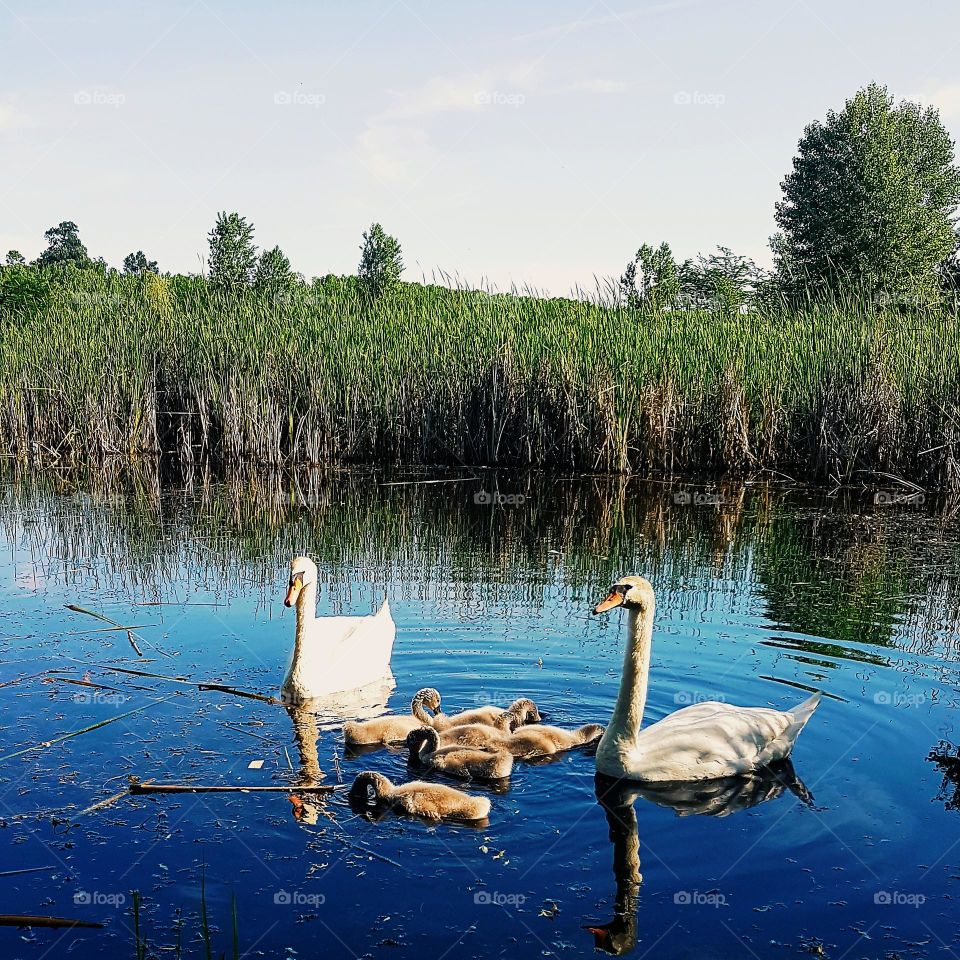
535,143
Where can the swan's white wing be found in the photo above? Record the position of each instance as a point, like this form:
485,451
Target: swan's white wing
705,741
347,653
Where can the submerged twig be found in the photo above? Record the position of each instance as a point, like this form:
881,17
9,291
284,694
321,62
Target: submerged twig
131,636
138,787
77,733
199,684
102,803
370,853
15,920
17,873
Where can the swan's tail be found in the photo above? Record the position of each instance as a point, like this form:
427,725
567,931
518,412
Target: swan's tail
801,714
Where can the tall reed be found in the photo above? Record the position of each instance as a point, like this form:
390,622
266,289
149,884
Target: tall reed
835,391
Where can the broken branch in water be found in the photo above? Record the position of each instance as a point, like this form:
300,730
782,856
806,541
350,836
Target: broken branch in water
13,920
17,873
199,684
131,636
94,726
224,688
133,643
101,804
138,787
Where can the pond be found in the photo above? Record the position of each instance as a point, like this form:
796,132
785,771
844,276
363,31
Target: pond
764,593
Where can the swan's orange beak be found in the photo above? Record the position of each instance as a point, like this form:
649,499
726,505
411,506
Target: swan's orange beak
614,599
293,591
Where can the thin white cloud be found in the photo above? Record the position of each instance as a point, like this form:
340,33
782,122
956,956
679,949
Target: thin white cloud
393,153
621,16
945,97
10,118
461,93
395,142
596,85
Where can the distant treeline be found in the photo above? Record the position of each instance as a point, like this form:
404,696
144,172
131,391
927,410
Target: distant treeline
840,365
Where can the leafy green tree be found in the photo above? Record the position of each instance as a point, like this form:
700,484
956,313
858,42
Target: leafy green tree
870,201
651,279
64,247
381,261
273,273
24,292
15,258
138,264
233,255
723,281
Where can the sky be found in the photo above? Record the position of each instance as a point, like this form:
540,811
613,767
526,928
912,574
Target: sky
535,144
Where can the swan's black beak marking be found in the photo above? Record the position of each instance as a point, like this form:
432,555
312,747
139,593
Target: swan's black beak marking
615,598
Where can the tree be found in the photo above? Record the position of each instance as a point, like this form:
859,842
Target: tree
138,264
381,263
15,258
64,247
273,273
24,292
870,201
651,279
233,255
723,281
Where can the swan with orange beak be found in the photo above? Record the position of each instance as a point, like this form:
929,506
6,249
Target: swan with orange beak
333,655
700,742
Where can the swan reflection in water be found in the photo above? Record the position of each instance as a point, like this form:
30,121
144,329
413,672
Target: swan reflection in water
328,713
712,798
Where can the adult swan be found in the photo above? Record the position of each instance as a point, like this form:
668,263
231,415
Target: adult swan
333,655
701,742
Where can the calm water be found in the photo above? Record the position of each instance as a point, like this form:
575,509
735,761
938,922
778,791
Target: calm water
761,597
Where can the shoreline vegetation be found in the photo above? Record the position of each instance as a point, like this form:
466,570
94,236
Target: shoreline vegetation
841,365
836,391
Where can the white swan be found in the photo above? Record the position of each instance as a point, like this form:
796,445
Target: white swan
333,655
701,742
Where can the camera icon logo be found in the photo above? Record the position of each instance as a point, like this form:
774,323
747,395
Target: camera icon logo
483,497
282,898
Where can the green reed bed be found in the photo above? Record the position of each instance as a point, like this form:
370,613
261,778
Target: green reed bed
126,366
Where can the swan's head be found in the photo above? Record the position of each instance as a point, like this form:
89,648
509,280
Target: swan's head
422,736
634,593
525,711
303,571
429,697
369,789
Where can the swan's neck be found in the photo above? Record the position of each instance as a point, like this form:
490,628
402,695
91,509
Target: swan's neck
306,614
628,713
419,711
